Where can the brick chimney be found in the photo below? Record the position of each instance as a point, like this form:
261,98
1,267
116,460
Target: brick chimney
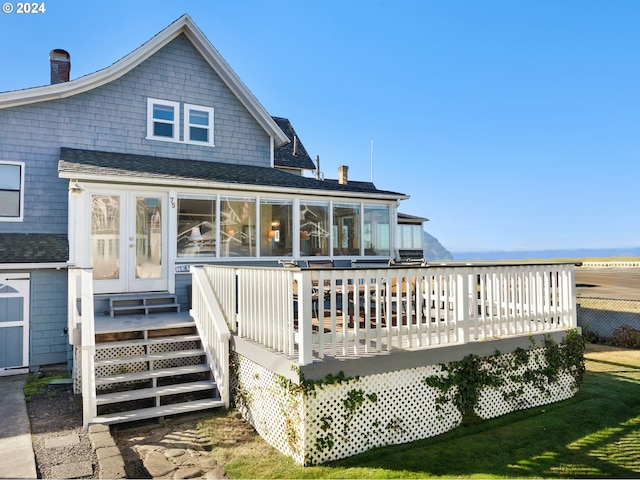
60,61
343,177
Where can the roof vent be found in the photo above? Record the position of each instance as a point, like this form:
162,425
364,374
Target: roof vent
60,62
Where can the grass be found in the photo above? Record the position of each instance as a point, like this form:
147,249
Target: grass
39,384
595,434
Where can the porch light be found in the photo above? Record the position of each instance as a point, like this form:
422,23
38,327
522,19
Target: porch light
75,188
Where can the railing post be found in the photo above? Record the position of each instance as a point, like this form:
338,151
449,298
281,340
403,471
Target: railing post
89,407
462,306
305,334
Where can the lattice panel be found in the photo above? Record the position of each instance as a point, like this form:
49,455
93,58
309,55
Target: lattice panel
275,413
172,347
348,418
119,352
512,396
397,407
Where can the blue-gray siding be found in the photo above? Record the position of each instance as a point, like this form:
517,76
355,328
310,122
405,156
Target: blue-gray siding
49,341
114,118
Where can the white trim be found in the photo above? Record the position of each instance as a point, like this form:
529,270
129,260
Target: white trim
20,217
151,121
34,266
207,184
187,125
184,25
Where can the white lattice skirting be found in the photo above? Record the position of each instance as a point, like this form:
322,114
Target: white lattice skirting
344,419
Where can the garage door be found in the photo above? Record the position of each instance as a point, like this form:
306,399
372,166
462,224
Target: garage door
14,323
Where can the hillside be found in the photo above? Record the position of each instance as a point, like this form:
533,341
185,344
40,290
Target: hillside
434,251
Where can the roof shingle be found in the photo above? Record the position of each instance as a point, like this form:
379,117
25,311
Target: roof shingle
90,162
33,248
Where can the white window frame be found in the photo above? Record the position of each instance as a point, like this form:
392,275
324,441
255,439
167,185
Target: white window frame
20,217
151,121
187,124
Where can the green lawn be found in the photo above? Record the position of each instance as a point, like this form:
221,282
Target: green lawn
595,434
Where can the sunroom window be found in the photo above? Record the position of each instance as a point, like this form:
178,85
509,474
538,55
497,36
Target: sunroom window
196,227
11,191
163,119
276,225
198,126
346,229
376,230
237,227
314,228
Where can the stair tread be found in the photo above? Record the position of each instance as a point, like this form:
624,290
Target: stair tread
147,374
174,389
135,324
148,341
150,357
161,411
140,306
137,296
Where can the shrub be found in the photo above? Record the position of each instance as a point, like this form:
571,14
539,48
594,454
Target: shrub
626,336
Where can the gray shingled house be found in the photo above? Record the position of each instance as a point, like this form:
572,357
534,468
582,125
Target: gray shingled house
159,161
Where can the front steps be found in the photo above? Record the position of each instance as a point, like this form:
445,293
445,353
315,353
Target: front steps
143,304
151,366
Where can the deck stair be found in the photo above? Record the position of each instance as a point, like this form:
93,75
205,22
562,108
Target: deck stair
149,367
143,304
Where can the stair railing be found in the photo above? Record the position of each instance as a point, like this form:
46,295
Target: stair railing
213,330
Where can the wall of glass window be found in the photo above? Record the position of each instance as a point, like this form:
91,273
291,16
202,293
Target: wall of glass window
223,226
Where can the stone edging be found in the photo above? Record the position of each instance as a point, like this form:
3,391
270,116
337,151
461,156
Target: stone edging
110,461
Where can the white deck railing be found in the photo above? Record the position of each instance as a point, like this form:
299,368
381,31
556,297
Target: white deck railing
213,331
81,316
313,313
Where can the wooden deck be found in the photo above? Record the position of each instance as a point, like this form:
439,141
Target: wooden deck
126,323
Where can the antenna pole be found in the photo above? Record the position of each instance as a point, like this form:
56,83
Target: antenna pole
371,159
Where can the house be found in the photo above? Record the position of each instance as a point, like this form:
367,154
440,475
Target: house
153,210
166,149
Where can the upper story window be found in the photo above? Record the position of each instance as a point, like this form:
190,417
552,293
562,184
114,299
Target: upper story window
198,125
164,122
11,191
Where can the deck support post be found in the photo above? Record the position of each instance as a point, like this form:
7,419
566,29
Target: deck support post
305,333
89,405
462,305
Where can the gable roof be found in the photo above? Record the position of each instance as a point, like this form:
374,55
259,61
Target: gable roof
293,154
183,25
147,169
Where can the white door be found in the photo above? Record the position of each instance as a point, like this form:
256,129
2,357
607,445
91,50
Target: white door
129,242
14,323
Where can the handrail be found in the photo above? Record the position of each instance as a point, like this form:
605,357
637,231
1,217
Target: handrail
313,313
213,330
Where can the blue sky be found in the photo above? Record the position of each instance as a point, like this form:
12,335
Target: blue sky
513,125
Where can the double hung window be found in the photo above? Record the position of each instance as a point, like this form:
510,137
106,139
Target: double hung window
198,124
164,122
11,191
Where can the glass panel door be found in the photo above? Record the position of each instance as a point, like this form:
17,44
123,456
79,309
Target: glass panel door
148,237
128,242
105,242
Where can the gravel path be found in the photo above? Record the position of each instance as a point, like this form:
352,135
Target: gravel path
61,446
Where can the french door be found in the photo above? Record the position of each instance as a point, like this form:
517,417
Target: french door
129,241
